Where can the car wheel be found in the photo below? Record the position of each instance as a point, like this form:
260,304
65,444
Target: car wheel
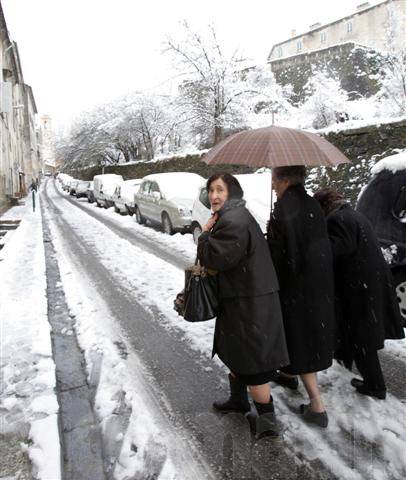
167,224
400,285
98,204
196,232
140,219
117,210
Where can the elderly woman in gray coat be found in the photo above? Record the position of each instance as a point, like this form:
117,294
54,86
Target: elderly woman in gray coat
249,336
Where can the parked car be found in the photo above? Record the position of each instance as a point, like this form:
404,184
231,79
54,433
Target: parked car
383,201
64,180
167,199
257,193
108,191
201,212
72,186
66,183
124,194
105,184
90,192
81,189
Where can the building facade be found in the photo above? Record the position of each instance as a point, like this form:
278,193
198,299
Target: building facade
46,145
380,27
20,160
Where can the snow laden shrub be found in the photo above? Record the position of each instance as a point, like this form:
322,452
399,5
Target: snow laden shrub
269,102
392,80
326,101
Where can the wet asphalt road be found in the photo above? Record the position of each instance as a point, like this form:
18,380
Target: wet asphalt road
186,382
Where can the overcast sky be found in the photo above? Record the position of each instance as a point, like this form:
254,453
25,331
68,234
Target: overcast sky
78,53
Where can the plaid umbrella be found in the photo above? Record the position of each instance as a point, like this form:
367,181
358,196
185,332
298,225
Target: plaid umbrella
275,147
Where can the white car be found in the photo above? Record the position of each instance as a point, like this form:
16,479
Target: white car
81,189
104,186
123,196
257,193
167,199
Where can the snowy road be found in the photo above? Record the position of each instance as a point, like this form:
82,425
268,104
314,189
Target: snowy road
120,280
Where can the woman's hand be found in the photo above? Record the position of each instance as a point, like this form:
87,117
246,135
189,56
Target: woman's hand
210,224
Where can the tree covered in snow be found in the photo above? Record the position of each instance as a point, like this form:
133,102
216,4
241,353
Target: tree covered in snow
88,142
219,90
392,79
392,74
326,101
134,127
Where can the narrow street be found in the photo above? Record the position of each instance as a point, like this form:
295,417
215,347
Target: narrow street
119,280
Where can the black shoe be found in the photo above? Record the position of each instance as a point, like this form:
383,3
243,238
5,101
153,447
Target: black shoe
356,382
264,424
238,401
317,418
289,382
379,394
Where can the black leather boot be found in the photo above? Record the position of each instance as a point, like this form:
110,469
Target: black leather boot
265,423
238,401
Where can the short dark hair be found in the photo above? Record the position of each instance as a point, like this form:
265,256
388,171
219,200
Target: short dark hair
295,174
233,185
327,197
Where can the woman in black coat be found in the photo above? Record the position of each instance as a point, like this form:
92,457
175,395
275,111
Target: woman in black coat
301,252
249,336
367,310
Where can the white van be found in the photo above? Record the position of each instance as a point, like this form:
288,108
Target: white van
102,183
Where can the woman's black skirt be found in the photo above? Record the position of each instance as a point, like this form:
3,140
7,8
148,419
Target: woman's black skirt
256,378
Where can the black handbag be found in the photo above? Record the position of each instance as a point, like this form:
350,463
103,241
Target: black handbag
199,300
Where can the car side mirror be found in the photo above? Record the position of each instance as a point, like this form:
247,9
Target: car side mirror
156,195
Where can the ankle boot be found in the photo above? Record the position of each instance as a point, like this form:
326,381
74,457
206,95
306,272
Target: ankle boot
238,401
265,423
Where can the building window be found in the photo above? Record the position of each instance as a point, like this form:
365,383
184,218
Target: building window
280,52
323,37
299,46
349,27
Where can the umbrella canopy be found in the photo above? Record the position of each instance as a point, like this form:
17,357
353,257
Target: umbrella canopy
275,147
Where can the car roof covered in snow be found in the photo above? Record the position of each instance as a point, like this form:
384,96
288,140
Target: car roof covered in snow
177,184
393,163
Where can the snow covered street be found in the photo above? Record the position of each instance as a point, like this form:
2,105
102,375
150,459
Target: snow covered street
151,372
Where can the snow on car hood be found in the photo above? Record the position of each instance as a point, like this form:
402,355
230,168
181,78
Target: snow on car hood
393,163
182,202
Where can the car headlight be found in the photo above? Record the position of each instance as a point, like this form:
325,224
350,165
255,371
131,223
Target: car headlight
184,211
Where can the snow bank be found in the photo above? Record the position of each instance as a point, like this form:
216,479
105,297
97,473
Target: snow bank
28,382
393,163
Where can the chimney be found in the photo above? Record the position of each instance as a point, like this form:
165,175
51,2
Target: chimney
363,6
314,26
293,33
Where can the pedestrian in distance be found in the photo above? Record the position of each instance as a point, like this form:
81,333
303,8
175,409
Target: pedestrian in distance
33,186
367,309
249,336
301,252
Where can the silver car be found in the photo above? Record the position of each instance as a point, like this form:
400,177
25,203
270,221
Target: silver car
167,199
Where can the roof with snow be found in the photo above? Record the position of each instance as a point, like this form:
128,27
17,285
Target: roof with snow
393,163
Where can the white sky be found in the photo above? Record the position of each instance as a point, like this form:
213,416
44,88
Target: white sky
78,53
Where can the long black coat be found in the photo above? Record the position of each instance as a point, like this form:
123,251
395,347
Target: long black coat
249,336
368,312
301,252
